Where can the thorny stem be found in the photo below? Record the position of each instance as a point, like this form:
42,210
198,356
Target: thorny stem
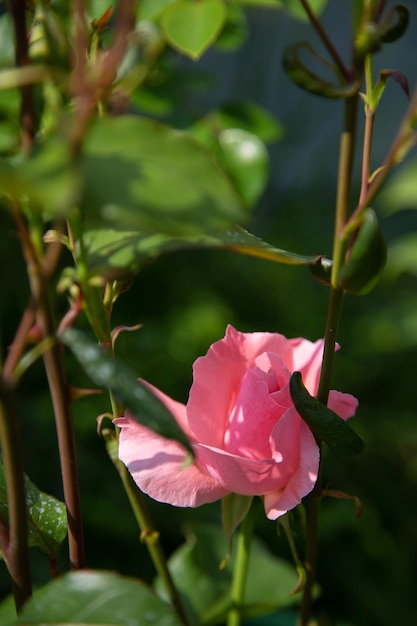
59,394
346,157
15,546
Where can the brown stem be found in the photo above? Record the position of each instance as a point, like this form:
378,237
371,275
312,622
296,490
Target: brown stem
59,395
326,41
49,266
404,141
16,549
27,110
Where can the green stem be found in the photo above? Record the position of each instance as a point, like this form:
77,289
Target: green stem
16,552
149,534
240,571
346,157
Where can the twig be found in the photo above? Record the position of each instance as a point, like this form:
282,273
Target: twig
16,551
59,395
27,110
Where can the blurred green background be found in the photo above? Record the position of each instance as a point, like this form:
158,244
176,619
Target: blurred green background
367,567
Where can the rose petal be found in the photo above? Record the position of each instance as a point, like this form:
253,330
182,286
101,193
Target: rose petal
217,378
157,467
178,410
343,404
307,358
250,477
253,417
301,482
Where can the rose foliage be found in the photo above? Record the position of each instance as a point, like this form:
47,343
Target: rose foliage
246,433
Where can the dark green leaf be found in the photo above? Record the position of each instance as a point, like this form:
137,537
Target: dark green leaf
324,422
106,371
366,259
143,175
191,27
116,254
97,597
195,569
308,80
46,517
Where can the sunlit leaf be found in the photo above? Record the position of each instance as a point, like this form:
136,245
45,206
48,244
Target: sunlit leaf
251,117
244,156
141,174
97,597
191,27
46,517
108,372
116,254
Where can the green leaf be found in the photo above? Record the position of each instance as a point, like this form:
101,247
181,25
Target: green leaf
400,193
234,509
152,9
195,570
106,371
191,27
7,54
143,175
244,156
117,254
97,597
366,259
251,117
324,422
48,179
46,517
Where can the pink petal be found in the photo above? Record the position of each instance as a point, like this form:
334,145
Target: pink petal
254,415
178,410
157,467
302,481
307,359
217,378
343,404
241,475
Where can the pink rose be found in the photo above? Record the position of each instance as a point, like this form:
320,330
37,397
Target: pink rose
247,436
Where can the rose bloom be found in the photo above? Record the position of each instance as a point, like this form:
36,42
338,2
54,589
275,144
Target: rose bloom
245,431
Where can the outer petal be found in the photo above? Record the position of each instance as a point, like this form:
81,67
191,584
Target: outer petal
343,404
178,410
157,467
307,358
248,477
302,481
